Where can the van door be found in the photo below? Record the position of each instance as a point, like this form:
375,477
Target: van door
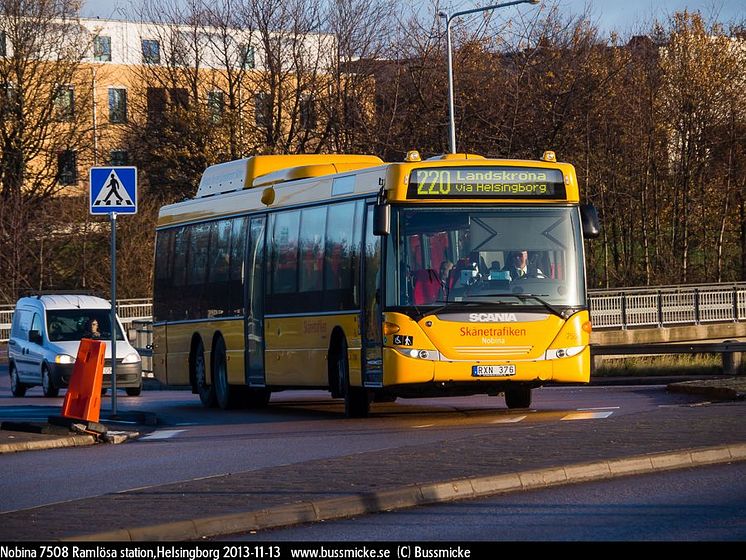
19,341
35,349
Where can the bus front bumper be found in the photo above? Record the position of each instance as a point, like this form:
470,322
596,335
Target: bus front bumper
404,370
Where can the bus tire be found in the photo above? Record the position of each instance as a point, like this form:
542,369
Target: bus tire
17,388
224,397
357,399
520,397
206,392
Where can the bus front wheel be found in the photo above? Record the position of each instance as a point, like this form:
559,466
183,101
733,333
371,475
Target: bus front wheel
520,397
357,400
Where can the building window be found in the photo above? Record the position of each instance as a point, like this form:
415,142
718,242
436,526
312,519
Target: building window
307,112
151,51
119,157
3,47
263,109
67,168
64,101
179,97
102,48
215,105
246,56
117,105
156,99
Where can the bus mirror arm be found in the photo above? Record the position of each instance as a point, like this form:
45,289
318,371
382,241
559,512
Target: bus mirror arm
381,215
590,222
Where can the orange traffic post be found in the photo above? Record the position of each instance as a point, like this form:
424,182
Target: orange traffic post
83,398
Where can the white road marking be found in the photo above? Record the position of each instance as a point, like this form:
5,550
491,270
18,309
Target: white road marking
162,434
601,408
424,426
587,415
508,419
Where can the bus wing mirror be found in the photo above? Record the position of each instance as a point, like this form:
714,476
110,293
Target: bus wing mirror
589,220
381,219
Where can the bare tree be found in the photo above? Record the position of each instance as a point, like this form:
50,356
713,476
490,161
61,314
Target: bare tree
44,125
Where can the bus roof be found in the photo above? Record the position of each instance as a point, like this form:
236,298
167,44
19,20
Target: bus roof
276,181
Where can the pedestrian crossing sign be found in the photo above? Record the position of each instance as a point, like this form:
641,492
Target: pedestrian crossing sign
113,189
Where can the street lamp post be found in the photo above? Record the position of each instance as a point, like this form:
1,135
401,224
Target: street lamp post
449,18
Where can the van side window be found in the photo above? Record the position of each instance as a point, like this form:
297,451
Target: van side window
15,328
21,323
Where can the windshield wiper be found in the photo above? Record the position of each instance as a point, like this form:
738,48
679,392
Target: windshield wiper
446,304
523,298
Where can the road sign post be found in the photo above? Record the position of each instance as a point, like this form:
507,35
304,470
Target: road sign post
113,191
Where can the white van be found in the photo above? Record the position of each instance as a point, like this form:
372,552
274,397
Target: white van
44,340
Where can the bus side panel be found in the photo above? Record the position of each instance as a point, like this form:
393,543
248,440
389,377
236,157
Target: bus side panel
233,334
178,344
297,348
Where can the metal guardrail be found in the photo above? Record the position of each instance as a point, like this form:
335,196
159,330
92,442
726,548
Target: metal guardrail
620,308
129,311
667,306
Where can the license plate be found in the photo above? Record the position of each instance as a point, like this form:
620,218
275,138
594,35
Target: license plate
492,371
107,370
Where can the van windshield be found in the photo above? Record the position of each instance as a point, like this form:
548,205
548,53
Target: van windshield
74,324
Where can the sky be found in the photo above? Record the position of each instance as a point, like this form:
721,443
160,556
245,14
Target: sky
620,15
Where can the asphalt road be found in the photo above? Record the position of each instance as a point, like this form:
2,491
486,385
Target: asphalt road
193,442
702,504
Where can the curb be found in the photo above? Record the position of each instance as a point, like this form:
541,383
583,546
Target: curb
715,391
419,494
47,443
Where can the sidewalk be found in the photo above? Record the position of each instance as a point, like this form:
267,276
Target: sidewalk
518,457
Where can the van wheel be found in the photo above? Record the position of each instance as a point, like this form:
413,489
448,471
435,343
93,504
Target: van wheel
133,391
224,397
206,392
47,385
16,387
519,397
357,399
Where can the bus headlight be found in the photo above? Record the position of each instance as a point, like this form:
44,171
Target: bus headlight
556,353
64,359
431,355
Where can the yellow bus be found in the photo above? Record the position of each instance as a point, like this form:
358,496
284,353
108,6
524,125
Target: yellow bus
454,275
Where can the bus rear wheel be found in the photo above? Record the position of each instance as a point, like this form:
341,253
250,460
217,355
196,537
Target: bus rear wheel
206,392
520,397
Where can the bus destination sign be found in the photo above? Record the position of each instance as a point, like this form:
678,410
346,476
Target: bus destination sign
486,182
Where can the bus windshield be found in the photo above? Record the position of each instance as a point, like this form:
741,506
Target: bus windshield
515,256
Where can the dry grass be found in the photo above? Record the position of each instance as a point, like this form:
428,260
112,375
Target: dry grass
669,364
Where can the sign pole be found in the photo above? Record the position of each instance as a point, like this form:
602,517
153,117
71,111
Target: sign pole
113,318
113,191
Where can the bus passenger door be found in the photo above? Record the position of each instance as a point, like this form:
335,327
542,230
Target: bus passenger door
371,309
255,303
